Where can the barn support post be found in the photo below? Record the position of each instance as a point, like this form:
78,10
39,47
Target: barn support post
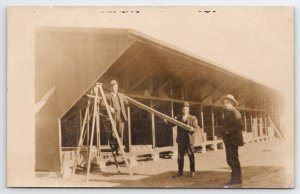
174,129
251,124
213,129
202,128
266,126
155,156
245,126
174,133
212,122
215,147
61,158
80,124
254,125
257,124
261,127
202,117
80,118
152,126
88,132
129,129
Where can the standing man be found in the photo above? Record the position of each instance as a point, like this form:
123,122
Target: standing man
117,102
232,126
185,139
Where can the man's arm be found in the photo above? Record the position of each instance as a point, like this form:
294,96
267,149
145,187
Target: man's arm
195,125
238,121
170,124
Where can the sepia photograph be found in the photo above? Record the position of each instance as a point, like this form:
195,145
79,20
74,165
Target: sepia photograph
150,97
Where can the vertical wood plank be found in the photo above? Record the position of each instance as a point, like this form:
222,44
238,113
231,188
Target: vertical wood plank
153,126
129,129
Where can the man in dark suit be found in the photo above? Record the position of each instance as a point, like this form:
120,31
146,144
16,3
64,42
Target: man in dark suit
117,102
185,139
232,126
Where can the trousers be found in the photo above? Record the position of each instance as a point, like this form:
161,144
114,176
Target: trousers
119,124
182,149
232,158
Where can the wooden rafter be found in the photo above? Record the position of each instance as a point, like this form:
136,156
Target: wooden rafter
176,75
207,84
212,90
136,84
136,51
228,90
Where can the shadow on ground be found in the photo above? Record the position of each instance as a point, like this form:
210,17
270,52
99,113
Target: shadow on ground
253,177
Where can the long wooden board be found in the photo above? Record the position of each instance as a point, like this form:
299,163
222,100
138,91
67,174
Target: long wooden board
158,114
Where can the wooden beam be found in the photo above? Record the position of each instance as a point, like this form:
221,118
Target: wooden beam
212,81
177,74
158,114
41,103
276,129
60,146
245,123
206,96
251,124
158,98
80,124
181,101
136,84
211,92
266,125
202,116
213,123
153,126
173,128
136,51
129,129
229,90
187,81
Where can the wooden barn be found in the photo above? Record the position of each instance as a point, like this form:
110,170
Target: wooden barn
70,61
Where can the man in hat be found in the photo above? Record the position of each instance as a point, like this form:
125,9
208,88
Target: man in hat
185,139
117,102
232,126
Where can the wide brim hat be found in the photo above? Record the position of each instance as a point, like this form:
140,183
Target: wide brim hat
231,98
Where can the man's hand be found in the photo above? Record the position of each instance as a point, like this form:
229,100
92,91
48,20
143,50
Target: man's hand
237,114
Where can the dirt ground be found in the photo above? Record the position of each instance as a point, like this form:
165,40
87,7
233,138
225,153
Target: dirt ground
264,165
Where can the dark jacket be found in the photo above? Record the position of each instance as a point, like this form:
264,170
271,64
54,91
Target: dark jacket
232,126
184,136
122,101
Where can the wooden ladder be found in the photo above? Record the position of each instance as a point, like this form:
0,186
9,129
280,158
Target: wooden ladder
96,96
